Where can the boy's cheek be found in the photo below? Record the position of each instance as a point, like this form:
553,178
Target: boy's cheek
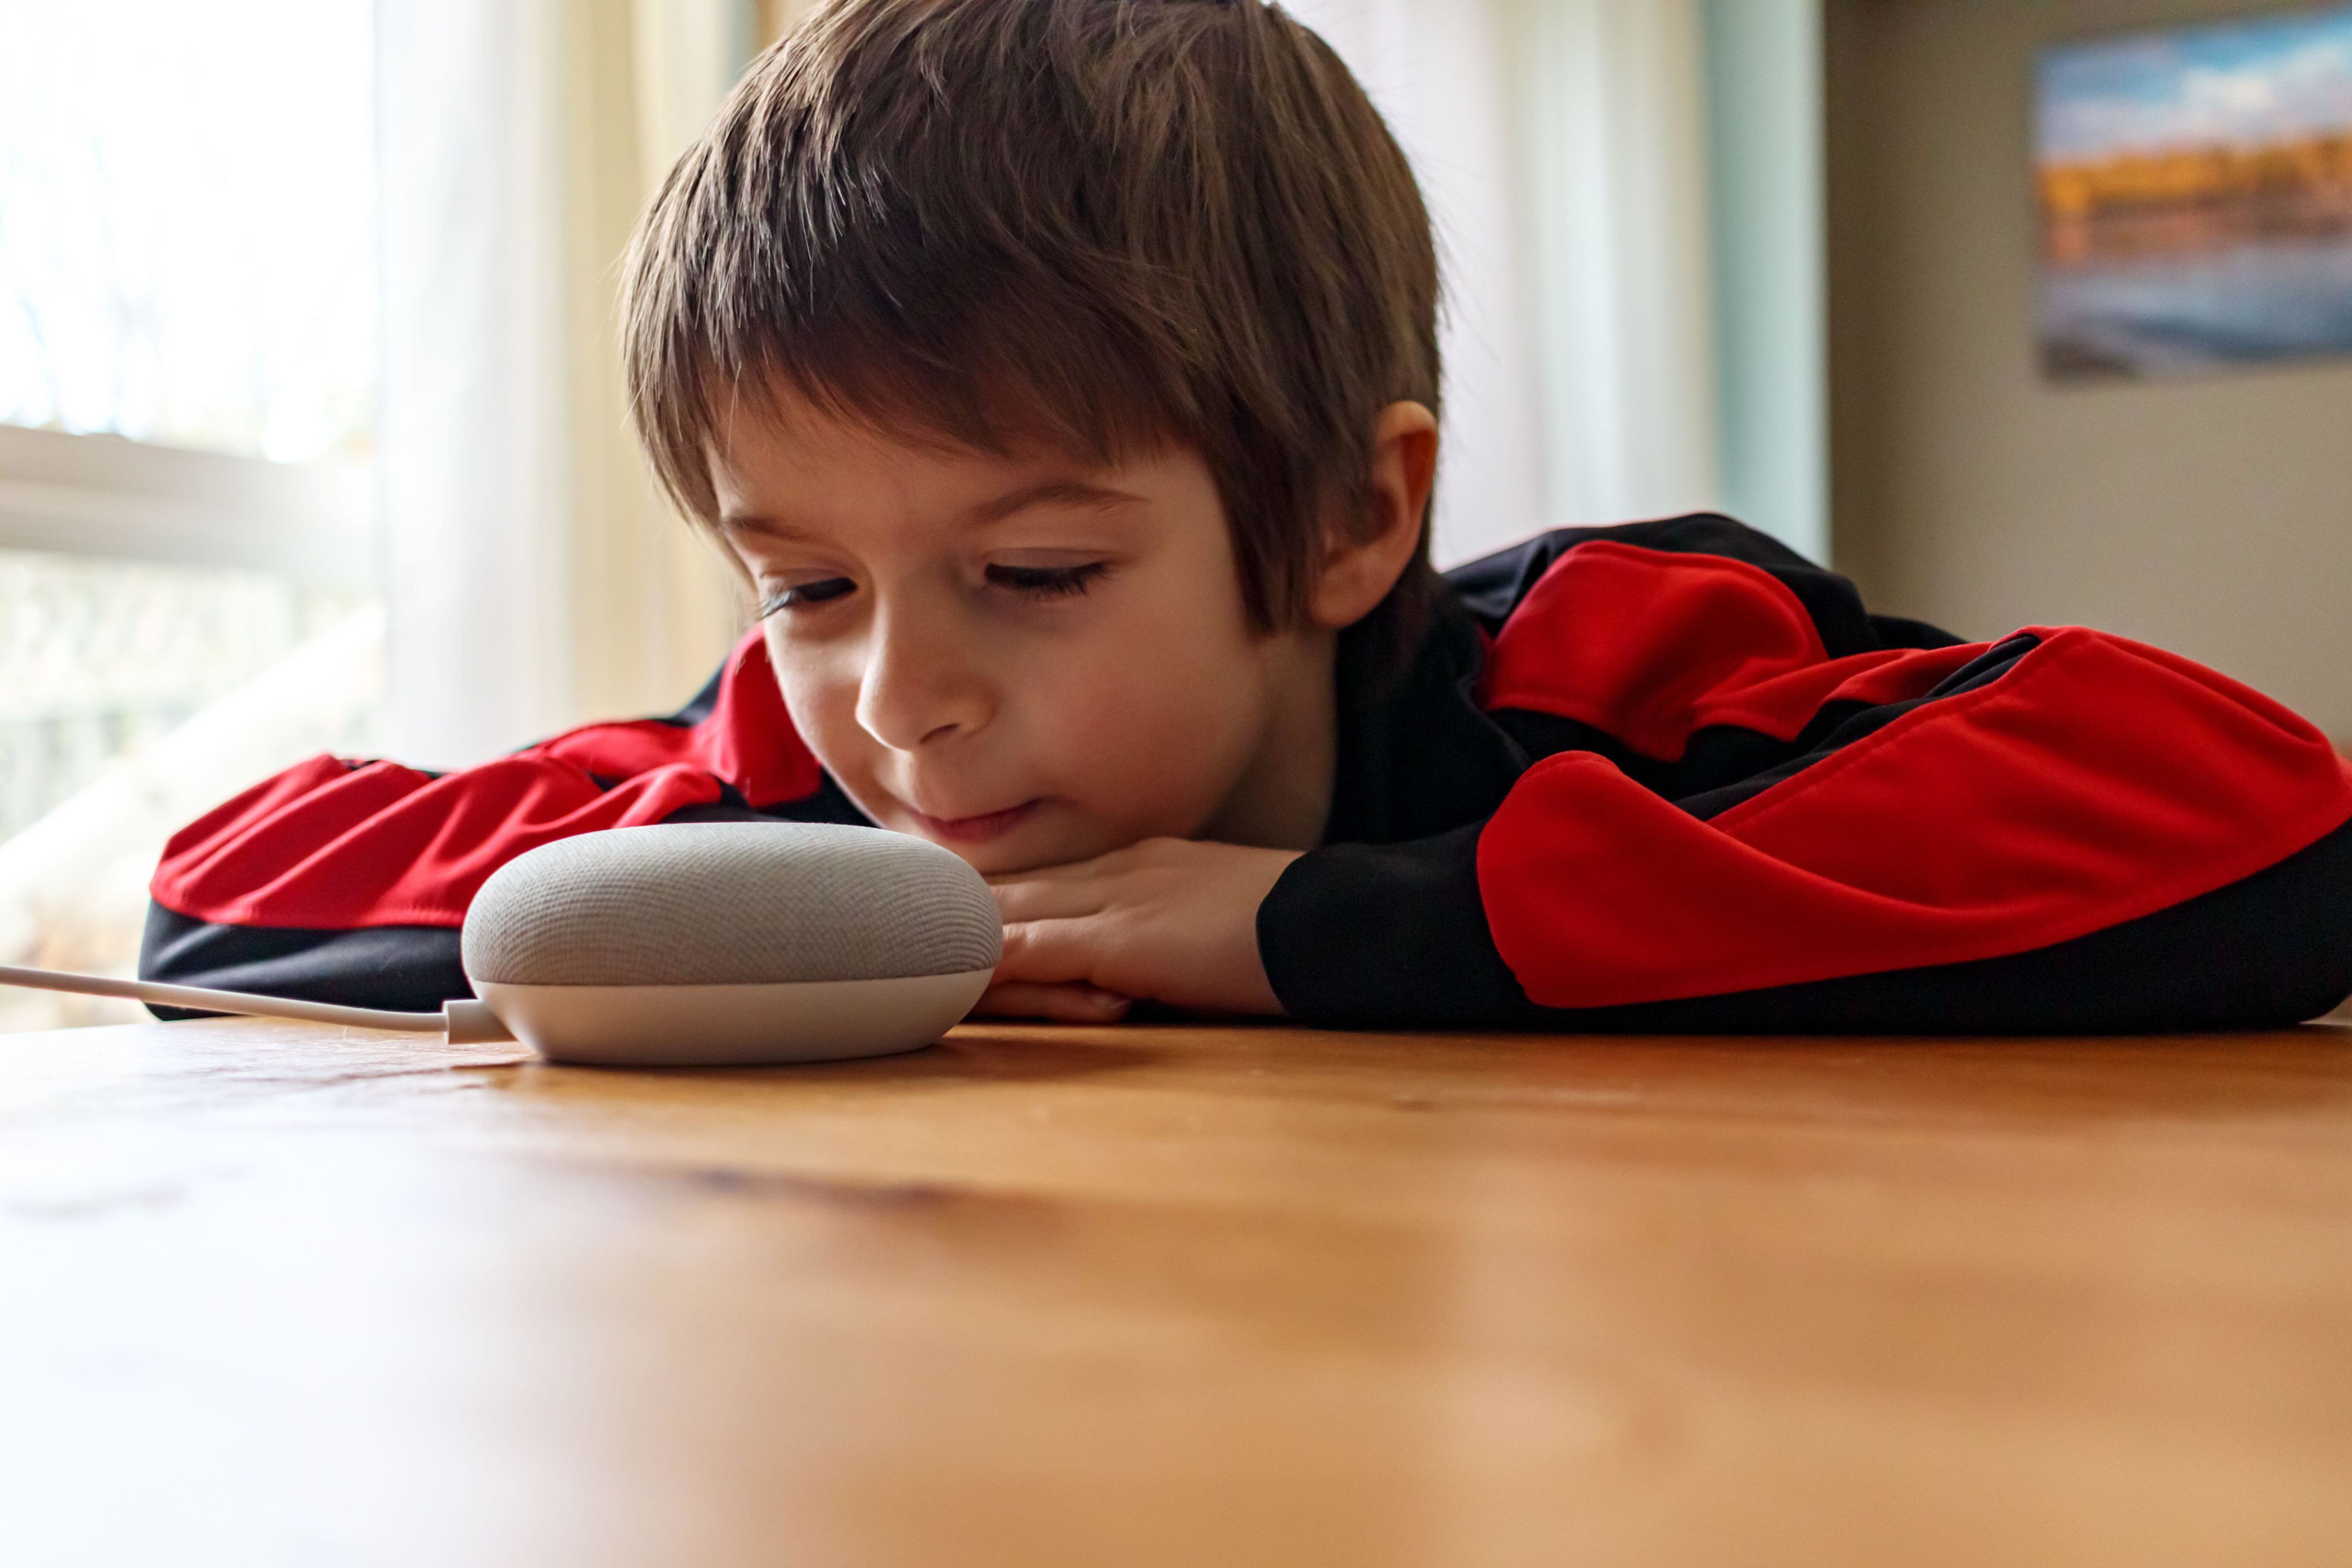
1155,763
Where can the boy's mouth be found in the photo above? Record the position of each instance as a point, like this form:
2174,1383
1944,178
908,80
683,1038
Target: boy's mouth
975,829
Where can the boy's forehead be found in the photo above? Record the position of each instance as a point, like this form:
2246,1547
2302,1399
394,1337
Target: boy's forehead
767,464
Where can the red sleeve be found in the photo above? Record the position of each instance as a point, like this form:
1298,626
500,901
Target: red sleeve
2097,780
2062,829
331,844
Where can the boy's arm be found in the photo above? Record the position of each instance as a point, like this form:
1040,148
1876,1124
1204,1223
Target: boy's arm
2061,830
348,882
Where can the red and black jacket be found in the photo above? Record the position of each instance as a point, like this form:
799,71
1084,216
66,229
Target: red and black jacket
1667,776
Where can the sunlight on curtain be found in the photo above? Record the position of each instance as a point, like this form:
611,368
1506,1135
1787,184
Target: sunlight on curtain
771,19
537,577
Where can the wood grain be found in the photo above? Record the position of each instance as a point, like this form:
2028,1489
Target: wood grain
276,1293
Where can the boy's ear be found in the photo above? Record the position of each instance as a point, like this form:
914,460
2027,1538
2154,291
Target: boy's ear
1360,565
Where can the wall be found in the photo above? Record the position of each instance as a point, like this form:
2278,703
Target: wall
2212,516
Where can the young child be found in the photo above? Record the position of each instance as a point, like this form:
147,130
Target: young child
1062,375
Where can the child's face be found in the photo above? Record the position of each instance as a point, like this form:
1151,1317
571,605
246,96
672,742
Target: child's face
1028,660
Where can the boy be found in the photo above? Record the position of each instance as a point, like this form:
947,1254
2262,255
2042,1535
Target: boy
1062,374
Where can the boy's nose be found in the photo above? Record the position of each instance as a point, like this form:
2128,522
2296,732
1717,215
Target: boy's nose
916,688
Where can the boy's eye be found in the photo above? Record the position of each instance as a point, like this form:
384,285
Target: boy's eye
1046,581
1029,581
801,595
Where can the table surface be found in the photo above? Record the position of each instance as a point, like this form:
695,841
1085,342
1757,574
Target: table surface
281,1293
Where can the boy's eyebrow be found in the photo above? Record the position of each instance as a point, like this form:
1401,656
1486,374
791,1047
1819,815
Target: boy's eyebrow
754,523
1063,491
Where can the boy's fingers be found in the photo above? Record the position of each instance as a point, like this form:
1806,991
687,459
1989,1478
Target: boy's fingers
1051,951
1048,900
1058,1004
1070,870
1104,864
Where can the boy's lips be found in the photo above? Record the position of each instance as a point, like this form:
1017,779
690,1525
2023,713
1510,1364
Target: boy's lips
976,830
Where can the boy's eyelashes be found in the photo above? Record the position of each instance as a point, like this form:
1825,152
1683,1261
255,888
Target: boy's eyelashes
1047,581
1034,582
802,595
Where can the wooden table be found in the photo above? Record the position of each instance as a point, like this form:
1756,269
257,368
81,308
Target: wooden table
281,1294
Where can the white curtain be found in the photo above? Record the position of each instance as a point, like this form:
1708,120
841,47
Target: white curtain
1561,146
1613,127
534,577
1438,71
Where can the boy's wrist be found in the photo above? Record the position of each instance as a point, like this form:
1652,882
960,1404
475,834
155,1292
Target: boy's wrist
1388,936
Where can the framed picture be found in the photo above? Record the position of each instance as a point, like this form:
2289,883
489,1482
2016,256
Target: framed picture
2196,196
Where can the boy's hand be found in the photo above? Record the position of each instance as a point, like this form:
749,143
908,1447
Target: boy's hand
1171,919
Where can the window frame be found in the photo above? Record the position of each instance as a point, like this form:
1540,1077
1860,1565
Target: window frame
109,496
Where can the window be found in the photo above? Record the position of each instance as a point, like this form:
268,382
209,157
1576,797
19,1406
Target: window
187,372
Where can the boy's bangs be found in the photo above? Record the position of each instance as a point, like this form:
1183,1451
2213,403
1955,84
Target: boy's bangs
898,351
1074,397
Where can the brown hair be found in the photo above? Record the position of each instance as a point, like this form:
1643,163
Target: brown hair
1103,225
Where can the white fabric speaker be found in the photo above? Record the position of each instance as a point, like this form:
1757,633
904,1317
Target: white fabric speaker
722,944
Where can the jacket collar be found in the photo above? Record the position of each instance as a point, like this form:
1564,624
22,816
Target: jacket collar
1419,757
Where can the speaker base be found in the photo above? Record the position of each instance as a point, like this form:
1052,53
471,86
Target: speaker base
733,1025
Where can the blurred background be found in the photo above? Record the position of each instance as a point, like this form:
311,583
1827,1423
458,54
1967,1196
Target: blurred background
311,434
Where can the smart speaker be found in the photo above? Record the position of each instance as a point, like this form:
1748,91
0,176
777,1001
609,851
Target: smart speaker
716,943
692,944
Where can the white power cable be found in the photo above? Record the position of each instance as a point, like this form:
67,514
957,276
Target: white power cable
462,1021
